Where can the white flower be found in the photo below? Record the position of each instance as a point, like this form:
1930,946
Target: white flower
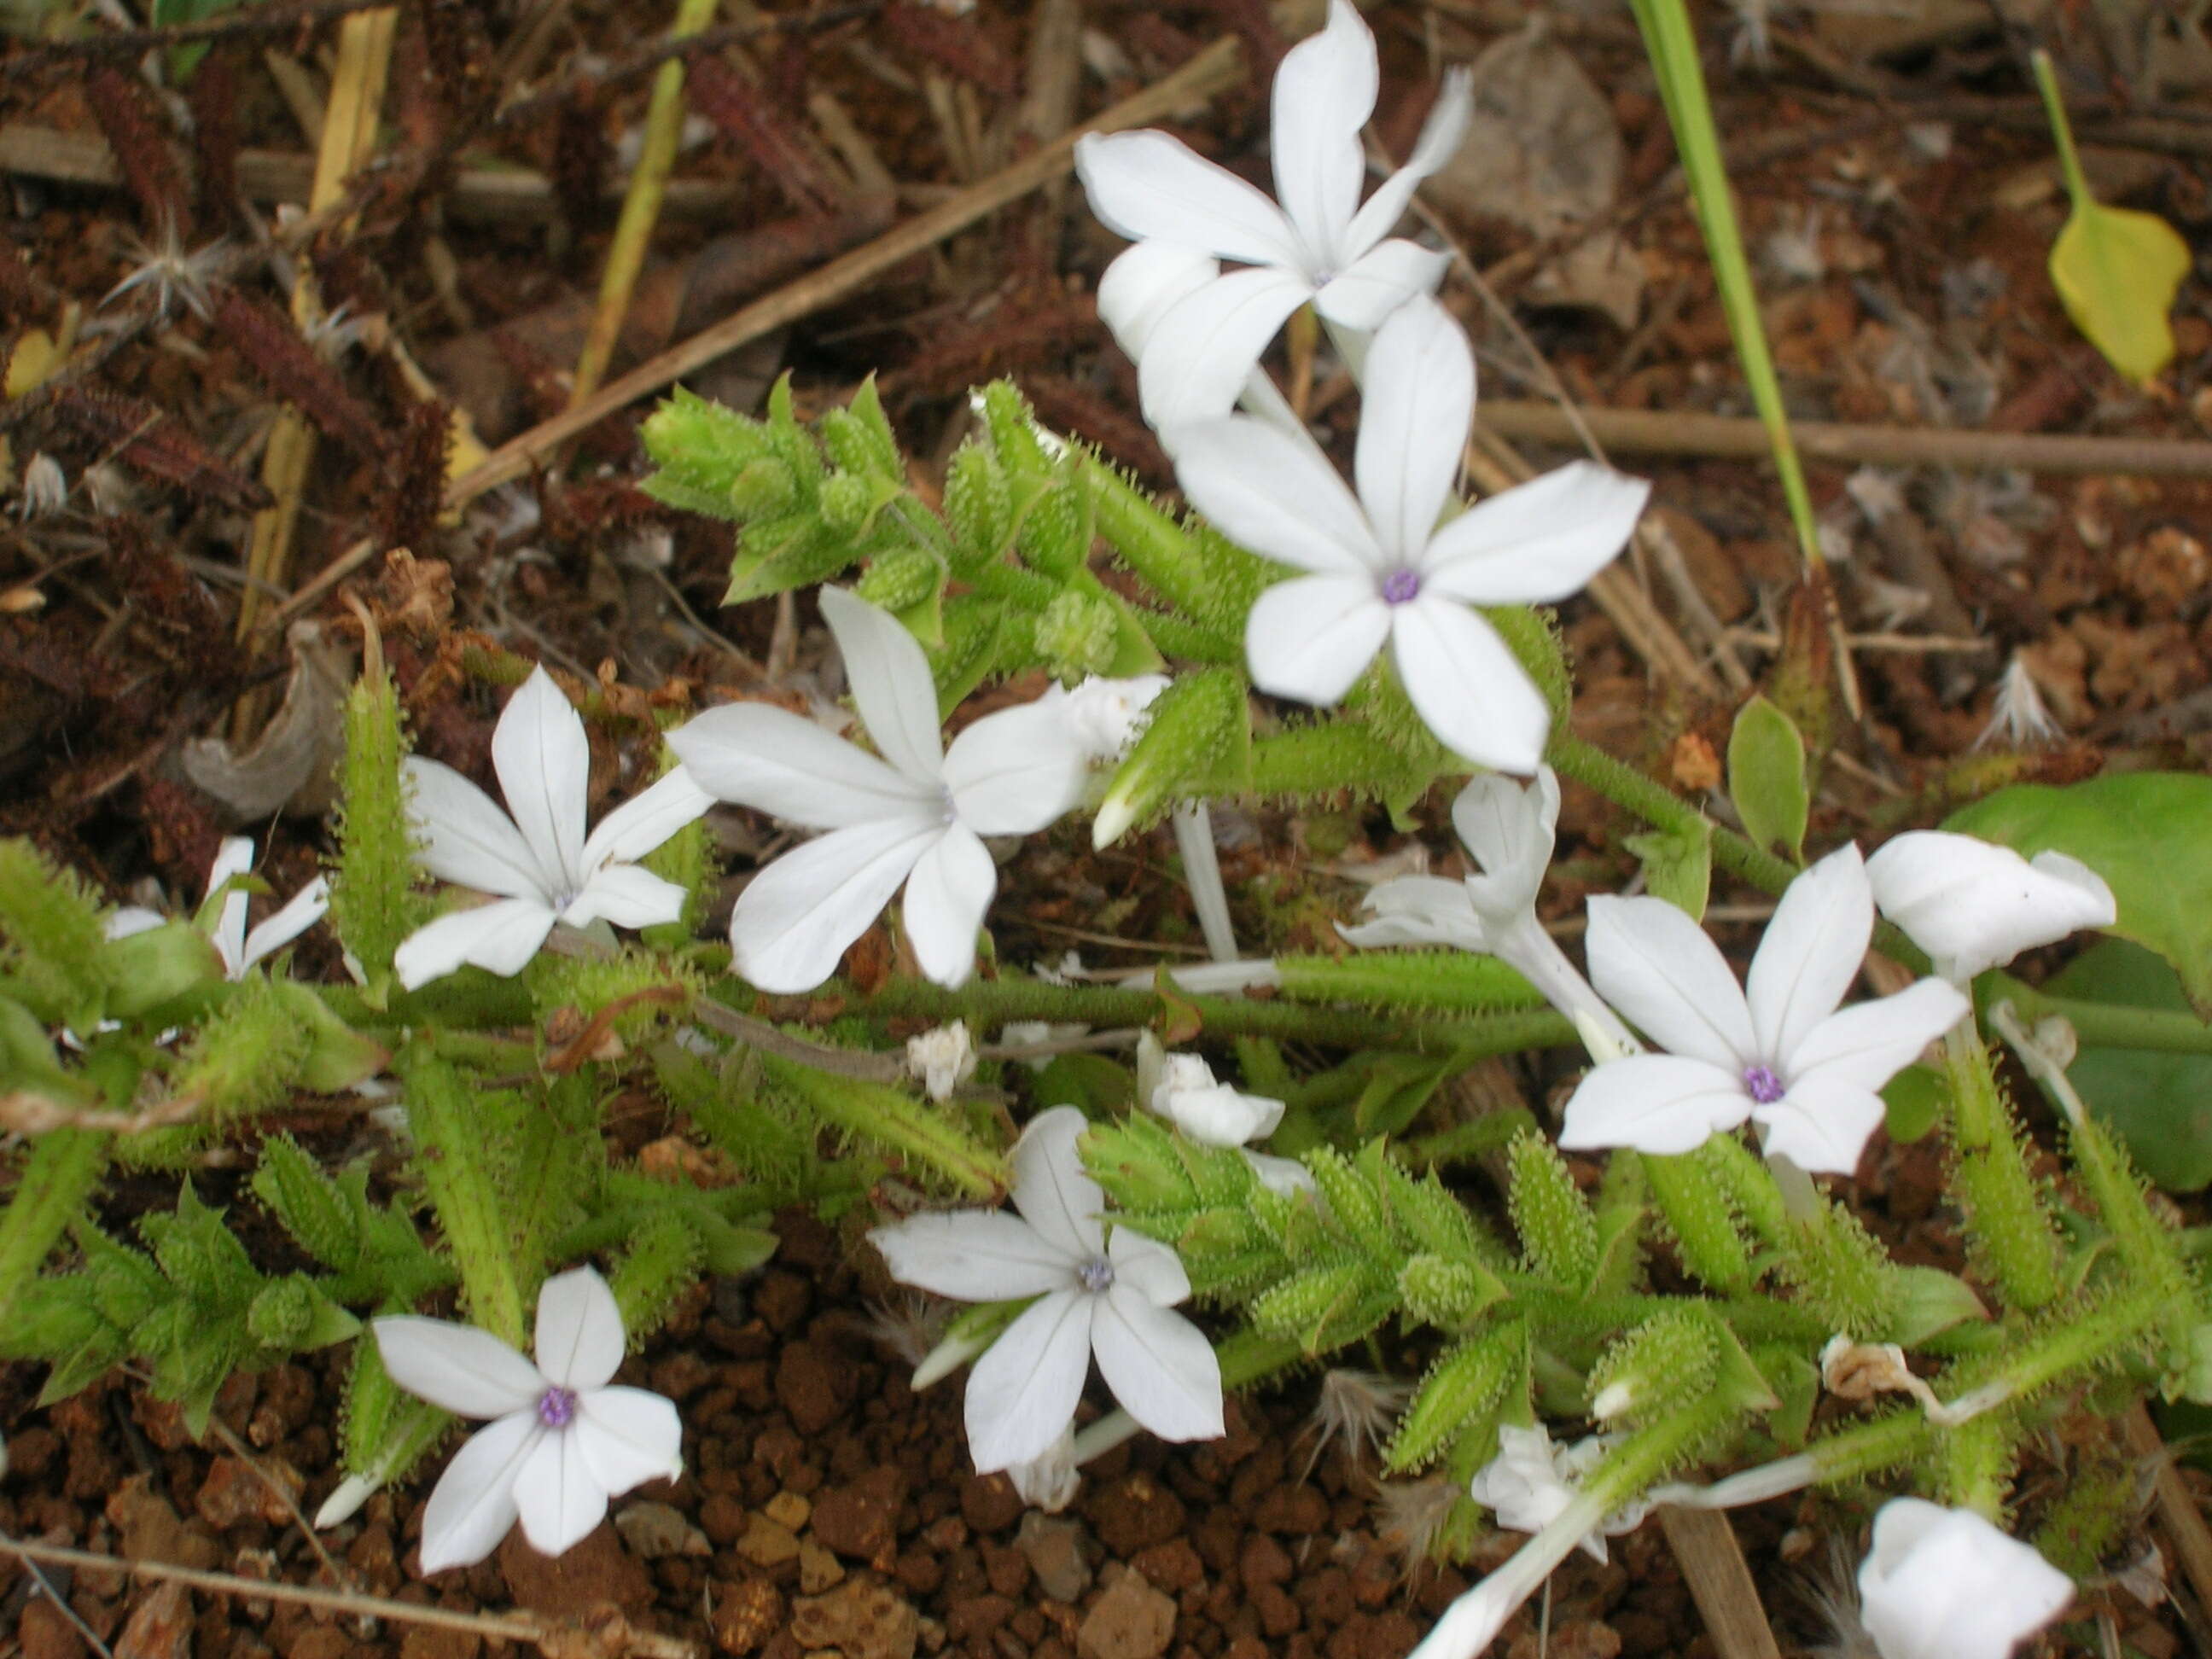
538,862
917,817
1946,1584
561,1442
1321,244
1530,1483
1182,1089
1381,569
1510,831
1971,904
943,1057
239,949
1105,716
1784,1054
44,488
1110,1297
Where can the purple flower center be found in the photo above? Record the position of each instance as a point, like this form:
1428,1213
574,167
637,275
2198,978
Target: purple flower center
1096,1274
1765,1088
556,1407
1401,587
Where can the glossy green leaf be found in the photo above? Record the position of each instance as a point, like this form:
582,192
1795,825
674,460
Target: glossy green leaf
2160,1105
1766,777
2148,834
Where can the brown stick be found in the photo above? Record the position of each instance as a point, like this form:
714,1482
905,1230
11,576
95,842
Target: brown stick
2193,1539
1206,74
1652,432
1720,1582
609,1638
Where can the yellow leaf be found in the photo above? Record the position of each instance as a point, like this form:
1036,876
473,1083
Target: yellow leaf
2117,271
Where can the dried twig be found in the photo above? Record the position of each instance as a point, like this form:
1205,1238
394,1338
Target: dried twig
1673,432
1204,75
607,1635
1720,1582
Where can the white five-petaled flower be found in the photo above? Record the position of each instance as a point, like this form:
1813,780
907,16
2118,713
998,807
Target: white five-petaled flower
1321,244
1094,1295
538,863
239,949
560,1442
1972,905
916,817
1380,567
1530,1483
1780,1051
1946,1584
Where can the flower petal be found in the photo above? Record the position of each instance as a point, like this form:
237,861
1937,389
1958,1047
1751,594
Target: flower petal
1468,685
543,763
1656,966
306,909
1419,396
233,856
1147,185
1973,905
795,918
1810,955
891,681
1013,771
472,1505
1870,1043
1311,637
1144,279
457,1368
645,820
1265,491
1821,1125
466,839
627,896
1022,1394
1148,1267
1654,1103
974,1255
1159,1366
1324,92
628,1437
1362,295
580,1330
946,896
1442,135
557,1500
1203,350
1946,1584
1541,540
756,755
1219,1115
1510,831
1053,1190
501,938
1419,910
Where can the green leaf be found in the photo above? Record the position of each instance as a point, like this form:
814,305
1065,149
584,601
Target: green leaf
1766,777
1913,1100
1678,865
2117,270
2144,833
2160,1105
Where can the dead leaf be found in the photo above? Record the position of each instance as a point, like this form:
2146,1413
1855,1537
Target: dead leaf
1544,152
289,767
